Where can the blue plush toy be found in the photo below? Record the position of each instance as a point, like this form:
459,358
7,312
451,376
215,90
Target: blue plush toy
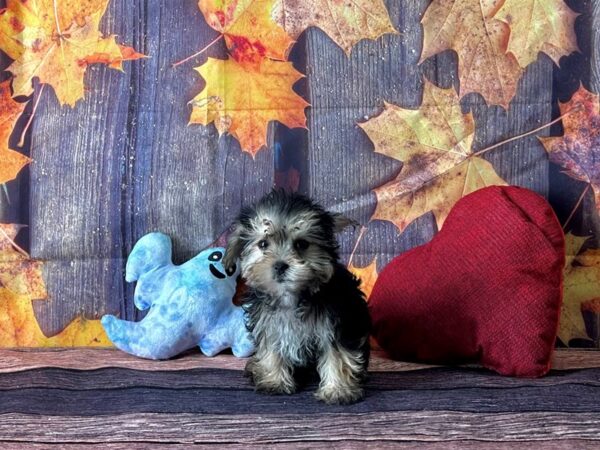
190,304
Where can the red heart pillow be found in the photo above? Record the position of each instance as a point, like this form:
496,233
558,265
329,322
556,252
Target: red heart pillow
487,288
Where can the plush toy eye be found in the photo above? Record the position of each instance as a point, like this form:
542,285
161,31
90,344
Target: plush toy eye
263,243
231,270
301,244
215,256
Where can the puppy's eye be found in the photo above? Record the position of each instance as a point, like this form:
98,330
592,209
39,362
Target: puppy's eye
301,244
263,243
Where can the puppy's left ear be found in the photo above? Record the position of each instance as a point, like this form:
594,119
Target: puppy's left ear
340,222
235,245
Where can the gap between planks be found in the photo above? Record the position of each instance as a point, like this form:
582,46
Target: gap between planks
17,360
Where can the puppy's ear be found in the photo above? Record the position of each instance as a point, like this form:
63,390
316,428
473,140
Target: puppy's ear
340,222
235,245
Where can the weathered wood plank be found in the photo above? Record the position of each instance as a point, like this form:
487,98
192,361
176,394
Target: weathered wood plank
357,443
12,360
124,162
413,427
431,379
571,398
76,183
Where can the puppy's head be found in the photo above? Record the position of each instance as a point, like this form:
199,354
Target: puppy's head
286,243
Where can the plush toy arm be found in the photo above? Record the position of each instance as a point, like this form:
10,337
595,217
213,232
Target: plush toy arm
152,251
140,301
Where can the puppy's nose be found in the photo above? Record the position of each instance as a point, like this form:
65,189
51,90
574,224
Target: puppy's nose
280,267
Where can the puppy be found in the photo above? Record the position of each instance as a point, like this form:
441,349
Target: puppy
303,308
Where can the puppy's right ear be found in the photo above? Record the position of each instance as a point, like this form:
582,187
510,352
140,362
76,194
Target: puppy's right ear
235,245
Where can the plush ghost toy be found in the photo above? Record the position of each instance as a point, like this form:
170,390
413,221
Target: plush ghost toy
190,304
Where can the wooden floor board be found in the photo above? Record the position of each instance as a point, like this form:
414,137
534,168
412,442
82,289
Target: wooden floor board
15,360
413,426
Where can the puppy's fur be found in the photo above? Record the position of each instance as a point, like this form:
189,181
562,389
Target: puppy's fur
304,309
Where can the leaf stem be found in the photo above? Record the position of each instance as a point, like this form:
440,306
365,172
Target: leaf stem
14,244
576,207
514,138
21,142
358,239
211,43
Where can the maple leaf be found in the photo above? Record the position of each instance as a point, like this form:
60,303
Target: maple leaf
539,26
58,39
578,150
12,162
480,41
249,30
581,284
367,276
243,97
19,328
346,22
439,167
20,282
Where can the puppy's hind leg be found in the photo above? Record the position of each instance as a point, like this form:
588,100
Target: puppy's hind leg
341,372
271,373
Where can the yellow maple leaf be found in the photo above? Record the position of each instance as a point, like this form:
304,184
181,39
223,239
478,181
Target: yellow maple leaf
19,328
21,282
367,276
434,144
539,26
249,30
58,39
345,22
581,284
480,41
11,162
243,97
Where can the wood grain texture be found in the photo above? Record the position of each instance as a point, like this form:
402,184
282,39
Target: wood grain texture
200,378
125,162
559,444
342,168
413,427
92,359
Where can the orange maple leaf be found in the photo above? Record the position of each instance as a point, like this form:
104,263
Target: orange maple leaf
12,162
469,28
55,41
250,32
439,166
578,150
21,282
539,26
243,97
367,276
345,22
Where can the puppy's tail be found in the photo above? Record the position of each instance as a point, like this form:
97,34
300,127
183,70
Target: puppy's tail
150,252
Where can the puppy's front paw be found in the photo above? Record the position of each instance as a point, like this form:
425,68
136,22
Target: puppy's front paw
270,379
273,386
339,395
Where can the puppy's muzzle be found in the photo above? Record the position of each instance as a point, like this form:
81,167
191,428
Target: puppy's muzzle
279,269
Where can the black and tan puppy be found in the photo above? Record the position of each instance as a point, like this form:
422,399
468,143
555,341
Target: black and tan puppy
304,309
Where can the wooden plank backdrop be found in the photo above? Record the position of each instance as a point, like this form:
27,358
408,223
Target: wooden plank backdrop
125,162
